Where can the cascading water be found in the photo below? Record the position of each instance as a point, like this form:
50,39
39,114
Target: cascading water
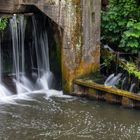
113,80
3,90
42,55
116,79
107,82
132,87
40,77
18,26
40,43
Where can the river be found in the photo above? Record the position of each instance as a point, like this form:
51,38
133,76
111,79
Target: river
38,117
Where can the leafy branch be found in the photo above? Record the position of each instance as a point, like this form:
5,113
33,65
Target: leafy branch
121,25
3,23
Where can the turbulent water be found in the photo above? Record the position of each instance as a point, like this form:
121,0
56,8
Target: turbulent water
38,117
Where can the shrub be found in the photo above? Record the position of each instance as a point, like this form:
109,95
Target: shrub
121,25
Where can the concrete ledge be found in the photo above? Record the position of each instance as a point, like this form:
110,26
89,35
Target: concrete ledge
110,94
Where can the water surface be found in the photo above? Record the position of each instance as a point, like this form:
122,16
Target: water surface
61,118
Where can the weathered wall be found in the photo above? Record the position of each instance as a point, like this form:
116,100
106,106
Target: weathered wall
80,20
7,6
81,50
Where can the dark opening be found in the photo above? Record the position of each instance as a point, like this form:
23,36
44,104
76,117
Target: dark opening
55,36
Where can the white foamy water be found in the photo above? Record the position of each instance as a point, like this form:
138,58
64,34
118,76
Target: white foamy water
41,75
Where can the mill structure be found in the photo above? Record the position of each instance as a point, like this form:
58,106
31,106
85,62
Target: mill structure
80,23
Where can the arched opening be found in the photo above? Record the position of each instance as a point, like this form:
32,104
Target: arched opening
44,32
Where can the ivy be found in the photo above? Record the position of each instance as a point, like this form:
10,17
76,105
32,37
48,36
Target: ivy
3,23
121,25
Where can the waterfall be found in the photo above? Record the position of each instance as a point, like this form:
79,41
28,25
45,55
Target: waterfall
113,80
18,26
39,47
132,87
3,89
35,44
107,81
38,56
124,80
42,54
116,79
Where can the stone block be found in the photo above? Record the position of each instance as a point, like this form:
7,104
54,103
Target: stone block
128,103
111,98
94,94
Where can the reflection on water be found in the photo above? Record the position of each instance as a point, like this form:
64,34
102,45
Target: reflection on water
41,118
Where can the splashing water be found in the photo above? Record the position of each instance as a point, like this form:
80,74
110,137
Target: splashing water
18,26
44,77
113,80
23,84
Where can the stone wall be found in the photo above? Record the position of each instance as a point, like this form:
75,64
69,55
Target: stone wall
81,50
7,6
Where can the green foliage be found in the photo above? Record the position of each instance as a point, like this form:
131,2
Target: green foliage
108,59
131,68
121,25
3,23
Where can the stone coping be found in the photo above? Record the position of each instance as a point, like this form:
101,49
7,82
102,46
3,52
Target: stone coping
107,89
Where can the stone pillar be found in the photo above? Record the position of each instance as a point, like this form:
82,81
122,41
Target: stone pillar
81,44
